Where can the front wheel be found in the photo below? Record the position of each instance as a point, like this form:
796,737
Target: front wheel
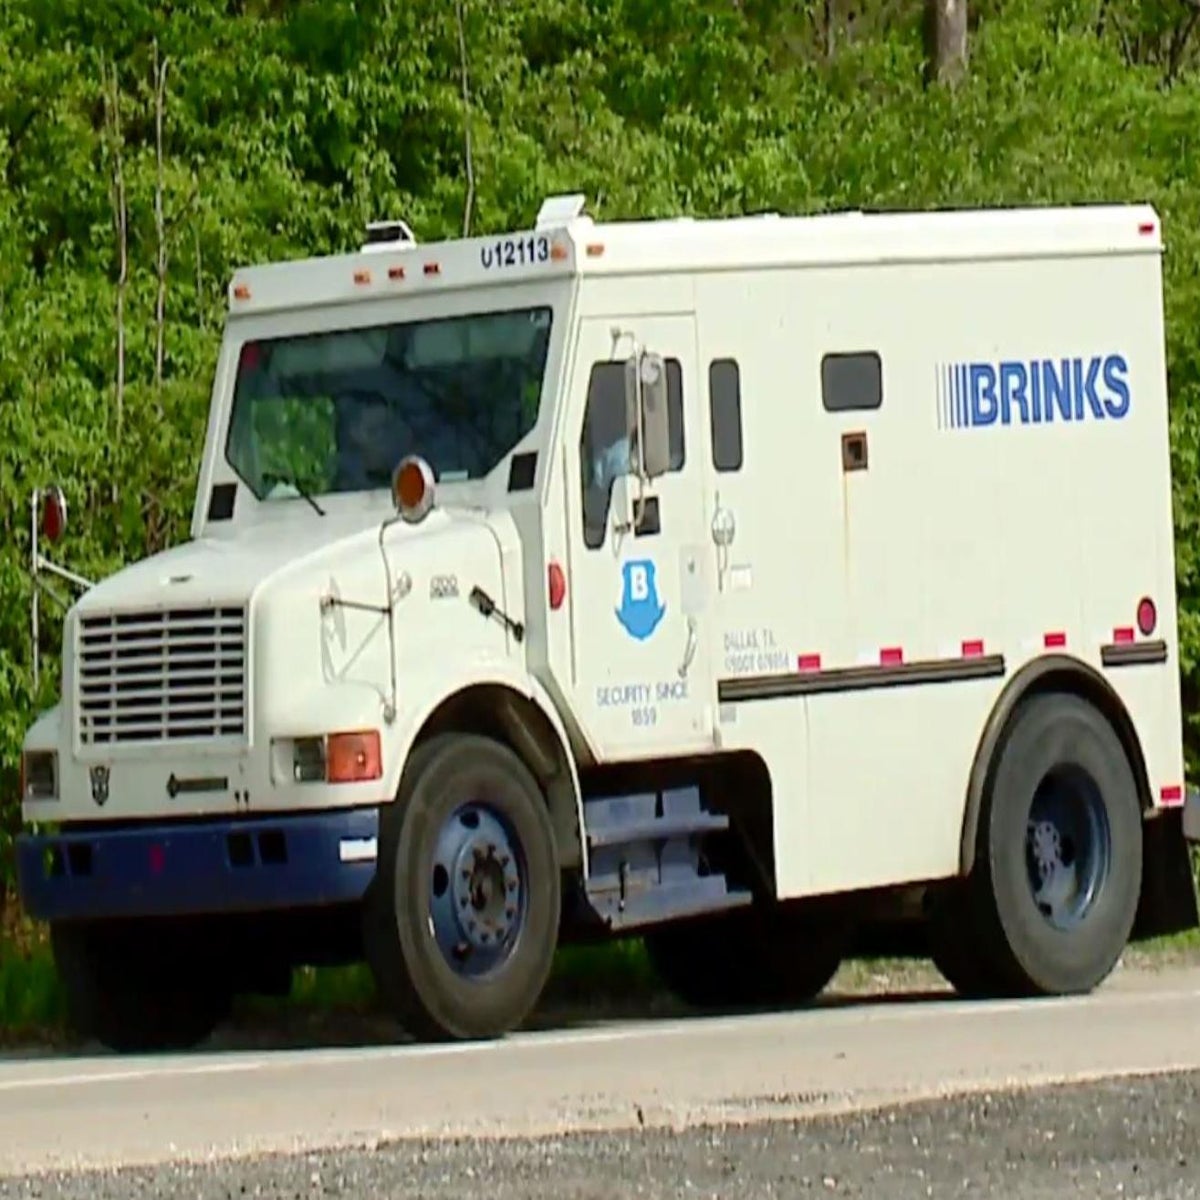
461,922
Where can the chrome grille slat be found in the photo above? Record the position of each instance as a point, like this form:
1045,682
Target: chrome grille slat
158,677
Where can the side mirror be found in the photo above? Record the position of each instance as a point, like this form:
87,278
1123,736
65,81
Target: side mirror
54,513
646,412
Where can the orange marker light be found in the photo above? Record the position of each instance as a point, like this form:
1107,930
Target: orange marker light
413,488
241,292
353,757
410,485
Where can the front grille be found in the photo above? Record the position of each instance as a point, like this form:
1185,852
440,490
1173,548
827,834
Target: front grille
161,676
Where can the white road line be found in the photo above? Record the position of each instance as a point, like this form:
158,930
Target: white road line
239,1062
130,1076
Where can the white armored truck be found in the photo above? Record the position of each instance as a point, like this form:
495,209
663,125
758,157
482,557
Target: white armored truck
756,586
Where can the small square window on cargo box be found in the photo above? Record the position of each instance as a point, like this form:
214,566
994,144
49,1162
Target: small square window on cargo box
725,413
851,382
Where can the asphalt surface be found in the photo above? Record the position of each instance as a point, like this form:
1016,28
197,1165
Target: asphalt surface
621,1110
1129,1139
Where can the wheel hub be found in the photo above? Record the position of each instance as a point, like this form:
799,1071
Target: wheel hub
1068,848
1047,849
486,888
477,894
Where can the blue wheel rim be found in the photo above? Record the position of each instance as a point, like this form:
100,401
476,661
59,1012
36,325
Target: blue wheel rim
478,891
1068,848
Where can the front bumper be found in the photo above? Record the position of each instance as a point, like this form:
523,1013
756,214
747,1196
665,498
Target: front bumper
207,868
1191,815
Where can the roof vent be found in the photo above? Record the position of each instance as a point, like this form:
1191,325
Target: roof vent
560,210
388,235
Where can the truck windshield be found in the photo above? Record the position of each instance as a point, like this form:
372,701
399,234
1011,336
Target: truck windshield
336,411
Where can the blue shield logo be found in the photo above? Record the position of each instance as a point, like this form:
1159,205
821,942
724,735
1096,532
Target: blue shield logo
641,610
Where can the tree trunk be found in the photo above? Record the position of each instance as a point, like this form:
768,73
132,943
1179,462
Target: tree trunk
945,40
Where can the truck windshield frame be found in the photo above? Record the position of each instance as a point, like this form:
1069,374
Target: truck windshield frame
334,410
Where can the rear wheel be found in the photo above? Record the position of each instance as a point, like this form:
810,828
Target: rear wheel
461,922
748,957
1053,896
137,988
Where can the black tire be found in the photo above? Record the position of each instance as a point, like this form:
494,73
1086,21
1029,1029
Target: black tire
1062,804
135,992
747,958
955,950
406,917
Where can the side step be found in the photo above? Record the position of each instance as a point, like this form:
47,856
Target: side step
645,859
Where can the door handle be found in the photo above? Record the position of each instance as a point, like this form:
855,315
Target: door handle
689,651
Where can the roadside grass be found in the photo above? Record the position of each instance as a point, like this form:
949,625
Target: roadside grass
31,1002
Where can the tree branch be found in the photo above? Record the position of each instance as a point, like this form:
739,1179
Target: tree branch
460,20
160,90
112,120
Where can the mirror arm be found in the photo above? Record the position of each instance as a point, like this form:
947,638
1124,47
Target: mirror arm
50,568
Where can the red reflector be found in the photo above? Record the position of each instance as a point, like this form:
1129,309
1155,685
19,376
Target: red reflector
1123,635
1171,795
395,272
891,656
1146,228
432,268
1147,616
973,649
158,860
362,276
808,662
1054,640
556,583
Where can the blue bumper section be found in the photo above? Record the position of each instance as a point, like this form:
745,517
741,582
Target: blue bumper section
213,867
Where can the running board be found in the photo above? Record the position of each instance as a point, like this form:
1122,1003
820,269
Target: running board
644,853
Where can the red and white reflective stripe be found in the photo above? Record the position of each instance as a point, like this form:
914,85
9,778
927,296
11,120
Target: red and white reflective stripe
1171,796
1123,636
808,662
1054,639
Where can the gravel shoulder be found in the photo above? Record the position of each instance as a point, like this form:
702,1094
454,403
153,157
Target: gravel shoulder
1132,1138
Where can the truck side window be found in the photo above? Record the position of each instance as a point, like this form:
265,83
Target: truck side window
851,382
725,413
604,446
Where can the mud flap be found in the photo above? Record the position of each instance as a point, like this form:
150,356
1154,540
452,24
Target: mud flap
1168,904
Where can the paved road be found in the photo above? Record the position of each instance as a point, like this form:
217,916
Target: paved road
105,1111
1129,1139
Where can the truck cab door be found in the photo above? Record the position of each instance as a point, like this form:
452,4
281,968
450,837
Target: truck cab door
641,673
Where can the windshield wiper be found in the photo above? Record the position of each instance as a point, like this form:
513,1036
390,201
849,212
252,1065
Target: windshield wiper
292,481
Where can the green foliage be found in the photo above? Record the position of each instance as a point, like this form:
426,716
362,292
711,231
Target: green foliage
286,126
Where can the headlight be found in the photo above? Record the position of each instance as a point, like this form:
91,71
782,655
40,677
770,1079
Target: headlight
39,775
334,758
